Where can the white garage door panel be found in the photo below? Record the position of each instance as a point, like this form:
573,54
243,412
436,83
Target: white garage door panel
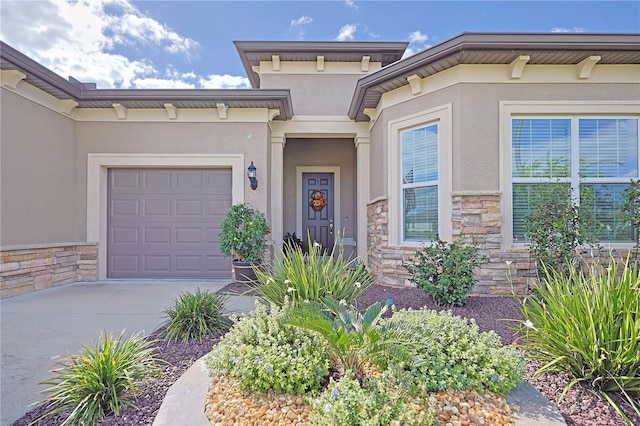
165,223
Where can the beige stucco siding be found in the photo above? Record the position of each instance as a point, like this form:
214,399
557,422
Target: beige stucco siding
321,152
380,133
249,139
476,125
38,172
318,94
476,149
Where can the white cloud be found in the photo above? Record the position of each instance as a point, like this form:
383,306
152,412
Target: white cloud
347,33
78,38
417,42
418,37
303,20
161,83
300,24
568,30
225,82
352,4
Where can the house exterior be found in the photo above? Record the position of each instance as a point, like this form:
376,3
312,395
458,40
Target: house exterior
111,183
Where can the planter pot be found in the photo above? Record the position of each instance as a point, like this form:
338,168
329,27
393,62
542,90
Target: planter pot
244,271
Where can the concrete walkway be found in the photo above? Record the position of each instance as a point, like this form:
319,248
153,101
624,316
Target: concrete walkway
38,327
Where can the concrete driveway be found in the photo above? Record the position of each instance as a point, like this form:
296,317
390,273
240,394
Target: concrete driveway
38,327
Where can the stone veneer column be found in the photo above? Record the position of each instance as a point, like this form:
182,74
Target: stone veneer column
362,197
478,216
475,215
277,188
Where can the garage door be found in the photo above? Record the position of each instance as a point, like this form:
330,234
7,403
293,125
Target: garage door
165,223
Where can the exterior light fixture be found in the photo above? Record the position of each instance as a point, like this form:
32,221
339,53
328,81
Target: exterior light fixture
251,174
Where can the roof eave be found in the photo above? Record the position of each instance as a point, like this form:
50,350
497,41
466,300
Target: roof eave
32,68
395,49
493,41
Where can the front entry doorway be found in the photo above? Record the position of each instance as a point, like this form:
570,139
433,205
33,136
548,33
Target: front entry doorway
318,209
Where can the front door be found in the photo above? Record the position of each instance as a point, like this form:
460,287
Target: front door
318,209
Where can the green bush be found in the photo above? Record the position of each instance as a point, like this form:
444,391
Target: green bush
445,270
631,212
299,277
243,233
587,324
195,316
381,401
265,353
97,382
453,353
556,226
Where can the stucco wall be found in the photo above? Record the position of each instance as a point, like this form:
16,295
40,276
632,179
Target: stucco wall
321,152
317,94
38,170
249,139
475,150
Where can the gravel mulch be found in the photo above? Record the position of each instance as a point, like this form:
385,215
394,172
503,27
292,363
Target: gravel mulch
581,406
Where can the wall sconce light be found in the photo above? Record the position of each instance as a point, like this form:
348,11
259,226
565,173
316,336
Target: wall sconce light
251,174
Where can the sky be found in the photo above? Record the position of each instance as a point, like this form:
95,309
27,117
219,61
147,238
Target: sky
130,44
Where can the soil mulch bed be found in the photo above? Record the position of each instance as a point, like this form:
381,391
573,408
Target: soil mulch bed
581,406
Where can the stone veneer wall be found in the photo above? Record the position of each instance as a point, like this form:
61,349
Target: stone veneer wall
476,216
28,268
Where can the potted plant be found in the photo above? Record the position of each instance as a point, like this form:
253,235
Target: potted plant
243,238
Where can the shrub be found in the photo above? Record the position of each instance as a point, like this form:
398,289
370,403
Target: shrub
379,402
588,325
445,270
243,231
556,226
195,316
298,276
354,337
631,212
265,353
453,353
95,383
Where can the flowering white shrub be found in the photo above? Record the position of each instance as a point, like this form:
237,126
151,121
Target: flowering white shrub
455,354
381,401
265,353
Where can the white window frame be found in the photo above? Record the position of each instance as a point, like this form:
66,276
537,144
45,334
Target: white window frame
442,115
550,109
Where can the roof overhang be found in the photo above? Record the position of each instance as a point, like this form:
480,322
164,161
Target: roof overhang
87,96
494,48
253,52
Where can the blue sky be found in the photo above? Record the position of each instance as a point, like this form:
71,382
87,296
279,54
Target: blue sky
189,44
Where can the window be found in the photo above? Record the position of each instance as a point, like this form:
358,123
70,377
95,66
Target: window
594,157
419,182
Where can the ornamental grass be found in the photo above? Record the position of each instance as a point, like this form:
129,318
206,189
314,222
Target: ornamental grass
587,324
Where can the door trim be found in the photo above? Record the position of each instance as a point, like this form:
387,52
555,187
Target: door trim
336,191
99,163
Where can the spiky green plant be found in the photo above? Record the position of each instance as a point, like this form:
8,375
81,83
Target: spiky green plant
354,337
99,381
195,316
297,277
587,324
